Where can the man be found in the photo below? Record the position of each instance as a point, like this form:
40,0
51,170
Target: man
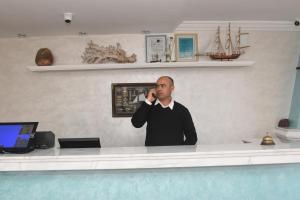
168,122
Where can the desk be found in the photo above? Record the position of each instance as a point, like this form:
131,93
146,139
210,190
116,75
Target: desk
214,172
152,157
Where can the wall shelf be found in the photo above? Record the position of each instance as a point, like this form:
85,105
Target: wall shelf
112,66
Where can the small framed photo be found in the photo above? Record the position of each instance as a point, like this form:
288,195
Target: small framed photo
186,47
156,48
128,97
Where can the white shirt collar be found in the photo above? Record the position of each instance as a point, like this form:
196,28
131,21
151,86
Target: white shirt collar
171,104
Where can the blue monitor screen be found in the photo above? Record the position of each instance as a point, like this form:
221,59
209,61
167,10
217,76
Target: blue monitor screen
15,136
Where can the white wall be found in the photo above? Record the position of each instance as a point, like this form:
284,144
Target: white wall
226,104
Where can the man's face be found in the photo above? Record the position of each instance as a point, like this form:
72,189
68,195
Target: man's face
164,88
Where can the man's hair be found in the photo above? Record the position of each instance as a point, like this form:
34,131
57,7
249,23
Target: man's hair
170,78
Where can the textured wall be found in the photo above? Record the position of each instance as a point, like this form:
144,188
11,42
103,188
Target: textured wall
268,182
226,104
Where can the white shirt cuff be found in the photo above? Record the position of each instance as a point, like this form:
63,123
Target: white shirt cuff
148,102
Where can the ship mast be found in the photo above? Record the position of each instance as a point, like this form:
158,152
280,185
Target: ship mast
217,48
229,45
220,48
238,42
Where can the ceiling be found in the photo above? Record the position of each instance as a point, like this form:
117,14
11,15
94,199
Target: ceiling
45,17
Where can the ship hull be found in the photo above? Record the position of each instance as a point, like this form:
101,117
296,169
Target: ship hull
224,57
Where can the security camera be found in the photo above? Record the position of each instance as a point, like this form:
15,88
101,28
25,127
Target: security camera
297,22
68,17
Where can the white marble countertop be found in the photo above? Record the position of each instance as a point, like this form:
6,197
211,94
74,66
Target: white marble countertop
152,157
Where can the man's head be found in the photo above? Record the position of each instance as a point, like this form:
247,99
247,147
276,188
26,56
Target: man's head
164,87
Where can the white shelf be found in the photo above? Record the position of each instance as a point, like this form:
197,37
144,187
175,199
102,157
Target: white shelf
115,66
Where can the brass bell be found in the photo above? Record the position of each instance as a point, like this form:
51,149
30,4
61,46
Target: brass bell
267,140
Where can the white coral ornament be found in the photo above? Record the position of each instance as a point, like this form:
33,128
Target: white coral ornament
95,54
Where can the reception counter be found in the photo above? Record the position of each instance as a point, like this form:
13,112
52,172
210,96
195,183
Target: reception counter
152,157
214,172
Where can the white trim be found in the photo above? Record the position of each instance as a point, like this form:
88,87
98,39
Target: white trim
190,26
141,66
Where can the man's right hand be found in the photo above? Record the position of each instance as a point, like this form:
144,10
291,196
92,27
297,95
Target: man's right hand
151,96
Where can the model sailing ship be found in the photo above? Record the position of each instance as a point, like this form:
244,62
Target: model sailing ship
230,51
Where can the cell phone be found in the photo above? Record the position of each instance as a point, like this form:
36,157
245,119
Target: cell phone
154,96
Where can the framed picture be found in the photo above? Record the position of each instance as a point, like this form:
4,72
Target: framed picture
127,97
156,48
186,47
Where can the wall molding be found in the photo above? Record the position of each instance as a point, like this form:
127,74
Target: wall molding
188,26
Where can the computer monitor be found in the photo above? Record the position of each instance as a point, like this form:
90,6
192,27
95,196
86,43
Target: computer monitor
16,135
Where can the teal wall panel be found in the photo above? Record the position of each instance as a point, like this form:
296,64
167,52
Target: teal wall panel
295,106
234,183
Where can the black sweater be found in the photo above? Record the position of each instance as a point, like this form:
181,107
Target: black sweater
165,126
